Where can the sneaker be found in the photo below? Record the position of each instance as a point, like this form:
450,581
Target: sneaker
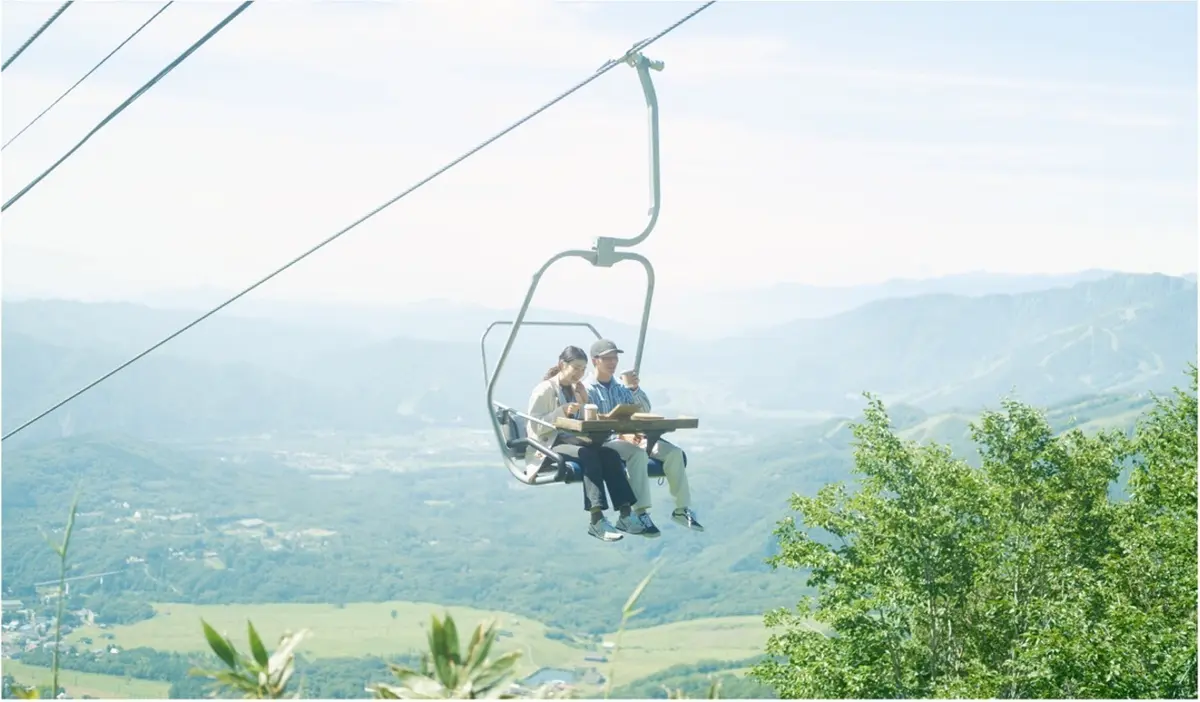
687,518
630,525
604,531
648,528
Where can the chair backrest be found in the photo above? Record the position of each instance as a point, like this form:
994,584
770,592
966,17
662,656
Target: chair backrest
514,429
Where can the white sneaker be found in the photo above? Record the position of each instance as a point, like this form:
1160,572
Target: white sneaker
604,531
631,524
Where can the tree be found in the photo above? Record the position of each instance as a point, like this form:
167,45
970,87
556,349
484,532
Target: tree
1020,578
1154,568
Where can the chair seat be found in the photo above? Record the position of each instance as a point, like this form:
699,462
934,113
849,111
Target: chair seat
515,430
655,469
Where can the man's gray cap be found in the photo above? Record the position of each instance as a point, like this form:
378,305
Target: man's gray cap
604,347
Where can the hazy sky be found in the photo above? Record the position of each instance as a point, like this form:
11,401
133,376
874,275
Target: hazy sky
826,143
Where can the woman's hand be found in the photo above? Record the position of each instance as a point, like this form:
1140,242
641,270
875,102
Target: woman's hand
571,408
581,393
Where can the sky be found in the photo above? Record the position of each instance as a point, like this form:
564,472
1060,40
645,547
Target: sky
834,143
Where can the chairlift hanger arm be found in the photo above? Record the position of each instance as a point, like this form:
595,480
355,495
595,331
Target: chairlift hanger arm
605,245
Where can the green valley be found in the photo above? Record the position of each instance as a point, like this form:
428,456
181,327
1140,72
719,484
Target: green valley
351,487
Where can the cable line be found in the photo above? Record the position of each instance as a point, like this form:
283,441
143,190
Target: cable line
38,33
129,101
85,75
612,63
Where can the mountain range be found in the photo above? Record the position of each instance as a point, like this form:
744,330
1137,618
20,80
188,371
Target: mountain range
434,532
346,369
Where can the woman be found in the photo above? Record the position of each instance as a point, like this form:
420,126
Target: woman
560,394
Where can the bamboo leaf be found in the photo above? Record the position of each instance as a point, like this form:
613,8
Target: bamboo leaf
220,646
256,646
25,693
383,691
451,632
437,650
637,591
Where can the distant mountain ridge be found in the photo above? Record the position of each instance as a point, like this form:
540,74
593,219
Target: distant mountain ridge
1116,333
745,311
167,397
941,351
706,315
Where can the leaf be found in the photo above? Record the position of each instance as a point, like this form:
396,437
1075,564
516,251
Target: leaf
477,650
481,645
497,672
425,688
46,537
401,671
256,646
383,691
220,646
25,693
70,523
451,632
289,668
437,650
637,591
286,650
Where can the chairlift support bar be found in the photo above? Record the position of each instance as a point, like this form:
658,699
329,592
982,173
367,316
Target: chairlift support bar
603,254
644,66
502,322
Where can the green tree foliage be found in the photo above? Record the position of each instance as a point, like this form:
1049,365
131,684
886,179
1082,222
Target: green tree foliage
1019,578
119,608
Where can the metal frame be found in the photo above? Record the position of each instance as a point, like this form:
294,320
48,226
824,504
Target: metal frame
500,322
516,466
603,254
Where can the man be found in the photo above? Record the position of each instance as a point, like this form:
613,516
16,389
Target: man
671,457
606,393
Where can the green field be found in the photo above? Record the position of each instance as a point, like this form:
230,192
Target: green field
647,651
91,684
363,629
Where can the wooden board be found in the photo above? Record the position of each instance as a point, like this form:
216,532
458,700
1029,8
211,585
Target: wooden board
625,426
622,411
